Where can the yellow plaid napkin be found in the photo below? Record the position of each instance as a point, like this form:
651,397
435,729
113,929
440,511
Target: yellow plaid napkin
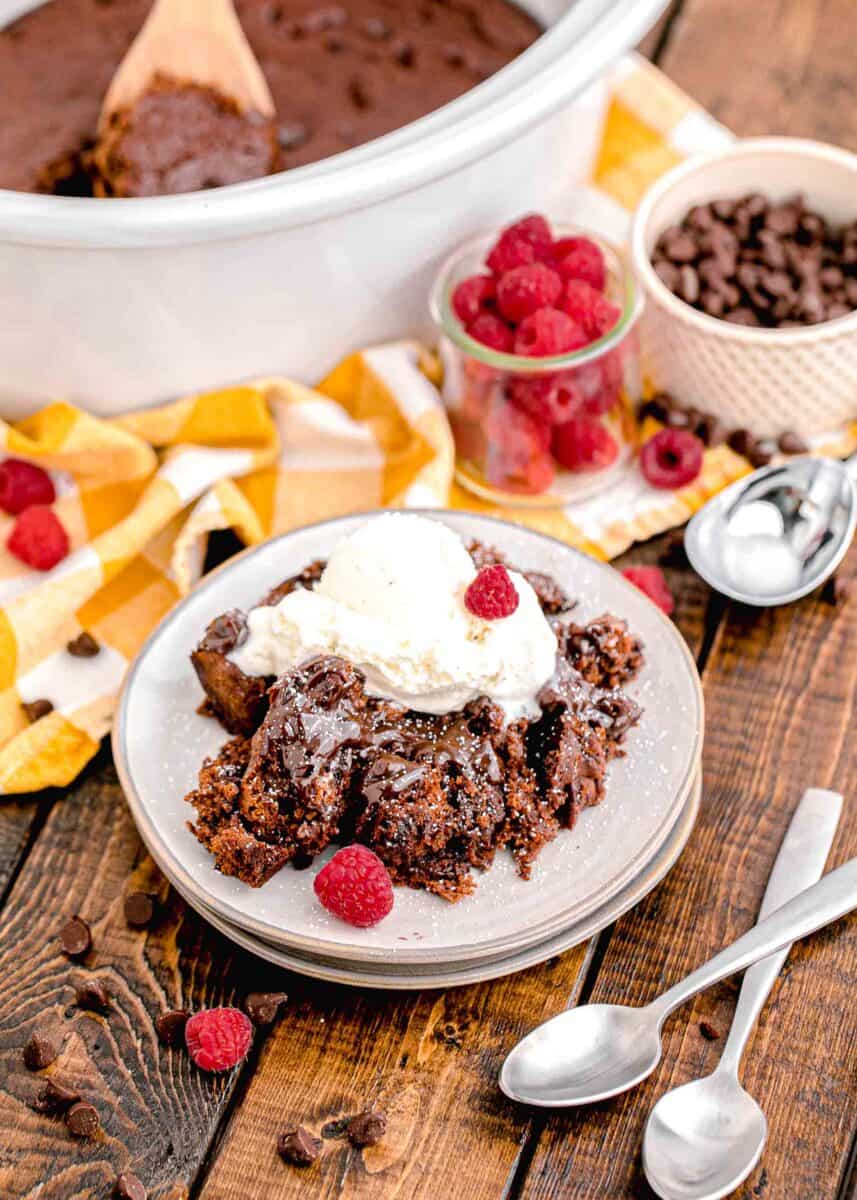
139,495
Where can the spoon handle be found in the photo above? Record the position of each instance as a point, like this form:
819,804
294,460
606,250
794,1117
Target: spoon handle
824,902
799,863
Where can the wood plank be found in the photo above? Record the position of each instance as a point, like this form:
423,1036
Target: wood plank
781,695
158,1112
785,67
429,1060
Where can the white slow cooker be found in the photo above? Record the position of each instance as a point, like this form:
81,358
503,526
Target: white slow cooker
116,304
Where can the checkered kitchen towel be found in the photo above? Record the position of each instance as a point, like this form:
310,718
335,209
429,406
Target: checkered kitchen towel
139,495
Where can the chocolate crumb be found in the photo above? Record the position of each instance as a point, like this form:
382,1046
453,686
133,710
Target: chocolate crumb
367,1128
139,909
83,646
262,1007
36,709
76,938
710,1032
40,1051
82,1120
170,1026
129,1187
298,1147
55,1098
93,996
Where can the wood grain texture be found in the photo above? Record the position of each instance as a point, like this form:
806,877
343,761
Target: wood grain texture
779,66
781,696
157,1111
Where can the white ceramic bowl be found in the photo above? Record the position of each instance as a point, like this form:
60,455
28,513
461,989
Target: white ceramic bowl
766,380
120,303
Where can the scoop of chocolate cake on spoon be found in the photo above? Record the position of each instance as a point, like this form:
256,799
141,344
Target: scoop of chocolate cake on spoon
190,42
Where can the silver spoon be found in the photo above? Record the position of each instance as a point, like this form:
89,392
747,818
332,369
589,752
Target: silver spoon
599,1050
777,534
703,1139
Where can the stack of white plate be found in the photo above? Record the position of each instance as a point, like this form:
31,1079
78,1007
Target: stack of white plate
581,882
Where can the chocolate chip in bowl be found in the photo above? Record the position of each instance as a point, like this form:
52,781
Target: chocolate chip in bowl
748,259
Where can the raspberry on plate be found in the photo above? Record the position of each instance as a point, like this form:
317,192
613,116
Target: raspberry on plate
218,1038
583,444
672,458
492,332
355,887
492,595
650,580
589,308
471,296
38,538
581,258
548,332
23,484
523,290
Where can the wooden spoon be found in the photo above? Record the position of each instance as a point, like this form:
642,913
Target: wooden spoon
194,41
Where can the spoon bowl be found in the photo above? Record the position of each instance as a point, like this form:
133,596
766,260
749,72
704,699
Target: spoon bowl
777,534
703,1139
583,1055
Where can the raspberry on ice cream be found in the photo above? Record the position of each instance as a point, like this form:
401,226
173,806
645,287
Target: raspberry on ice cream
355,887
523,290
218,1038
672,458
38,538
23,484
651,581
492,594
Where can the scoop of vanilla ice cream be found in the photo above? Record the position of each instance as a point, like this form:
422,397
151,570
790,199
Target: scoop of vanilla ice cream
391,601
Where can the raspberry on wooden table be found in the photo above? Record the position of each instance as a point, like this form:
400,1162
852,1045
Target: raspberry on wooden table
581,258
672,458
218,1038
492,595
471,296
355,887
651,581
523,290
38,538
23,484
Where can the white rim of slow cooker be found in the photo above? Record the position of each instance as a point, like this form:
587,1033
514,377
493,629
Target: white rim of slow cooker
428,149
714,326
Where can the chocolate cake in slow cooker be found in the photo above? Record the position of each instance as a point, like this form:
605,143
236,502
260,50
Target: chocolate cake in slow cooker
341,74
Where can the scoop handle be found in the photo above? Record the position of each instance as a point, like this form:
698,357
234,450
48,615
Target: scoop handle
824,902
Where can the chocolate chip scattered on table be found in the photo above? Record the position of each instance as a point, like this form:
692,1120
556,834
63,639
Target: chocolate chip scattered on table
298,1147
367,1128
139,909
40,1051
756,262
82,1120
262,1007
93,996
83,646
76,938
171,1026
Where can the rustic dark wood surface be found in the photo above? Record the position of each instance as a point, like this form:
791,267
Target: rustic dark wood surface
781,691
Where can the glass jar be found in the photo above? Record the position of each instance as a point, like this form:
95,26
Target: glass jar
503,452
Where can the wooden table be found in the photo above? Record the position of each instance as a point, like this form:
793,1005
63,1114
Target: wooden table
781,694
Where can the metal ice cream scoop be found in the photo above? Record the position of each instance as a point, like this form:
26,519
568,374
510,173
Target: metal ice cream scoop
777,534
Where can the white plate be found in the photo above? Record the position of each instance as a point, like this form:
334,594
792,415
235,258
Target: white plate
444,975
159,741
